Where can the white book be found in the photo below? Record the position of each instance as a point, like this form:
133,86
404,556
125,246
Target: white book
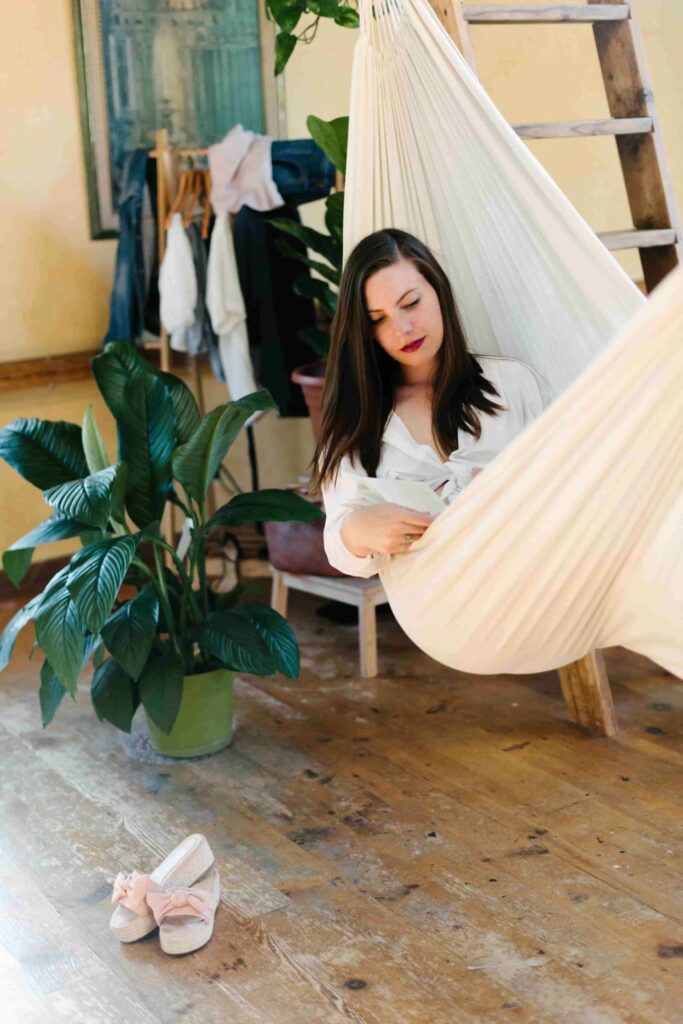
412,493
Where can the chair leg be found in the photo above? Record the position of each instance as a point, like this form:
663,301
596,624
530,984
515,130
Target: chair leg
587,694
367,639
279,593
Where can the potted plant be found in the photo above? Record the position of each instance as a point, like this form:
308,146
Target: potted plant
332,137
168,641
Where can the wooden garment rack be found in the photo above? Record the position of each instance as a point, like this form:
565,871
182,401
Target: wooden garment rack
656,227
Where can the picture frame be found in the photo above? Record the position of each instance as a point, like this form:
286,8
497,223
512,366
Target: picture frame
137,71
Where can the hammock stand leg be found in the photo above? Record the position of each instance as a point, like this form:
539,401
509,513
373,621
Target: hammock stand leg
587,694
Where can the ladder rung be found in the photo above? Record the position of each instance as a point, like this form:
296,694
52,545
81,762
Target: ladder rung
638,239
526,14
579,129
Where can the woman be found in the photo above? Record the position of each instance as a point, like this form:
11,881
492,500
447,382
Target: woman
404,399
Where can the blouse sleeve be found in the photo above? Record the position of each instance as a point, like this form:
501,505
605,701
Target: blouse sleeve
339,498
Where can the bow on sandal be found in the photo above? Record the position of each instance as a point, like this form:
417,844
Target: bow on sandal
130,891
132,918
185,915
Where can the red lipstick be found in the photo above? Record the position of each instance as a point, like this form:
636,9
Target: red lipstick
412,346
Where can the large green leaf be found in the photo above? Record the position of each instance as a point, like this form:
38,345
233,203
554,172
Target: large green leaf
161,690
284,48
59,630
51,693
17,558
287,12
96,575
311,238
277,635
196,462
325,8
88,500
9,635
17,562
347,17
129,633
270,504
147,438
317,340
185,408
93,443
114,369
331,136
45,453
334,215
235,640
314,288
112,695
287,249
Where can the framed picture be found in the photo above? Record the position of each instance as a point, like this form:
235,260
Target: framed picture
195,67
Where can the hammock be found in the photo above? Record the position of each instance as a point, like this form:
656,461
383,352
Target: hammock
572,538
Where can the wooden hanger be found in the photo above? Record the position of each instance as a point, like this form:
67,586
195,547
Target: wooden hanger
192,198
177,205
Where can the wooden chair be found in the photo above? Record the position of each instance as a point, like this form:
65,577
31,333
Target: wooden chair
365,594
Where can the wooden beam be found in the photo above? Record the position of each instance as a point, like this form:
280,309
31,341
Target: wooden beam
615,240
587,694
29,373
528,14
450,14
585,129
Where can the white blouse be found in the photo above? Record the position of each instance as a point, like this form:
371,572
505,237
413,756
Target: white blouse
524,394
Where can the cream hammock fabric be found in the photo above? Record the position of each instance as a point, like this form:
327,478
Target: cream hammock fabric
572,538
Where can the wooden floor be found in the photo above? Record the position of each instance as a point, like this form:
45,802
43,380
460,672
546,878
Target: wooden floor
421,848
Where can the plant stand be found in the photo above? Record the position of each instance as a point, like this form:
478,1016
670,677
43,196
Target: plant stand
365,594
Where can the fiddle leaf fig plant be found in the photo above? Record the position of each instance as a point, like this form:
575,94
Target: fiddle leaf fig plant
168,623
332,137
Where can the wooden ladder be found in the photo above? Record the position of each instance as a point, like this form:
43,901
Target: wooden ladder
656,223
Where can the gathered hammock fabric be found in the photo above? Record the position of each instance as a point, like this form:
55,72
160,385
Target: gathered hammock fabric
572,538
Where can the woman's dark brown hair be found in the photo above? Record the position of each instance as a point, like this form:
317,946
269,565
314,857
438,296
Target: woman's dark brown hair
360,377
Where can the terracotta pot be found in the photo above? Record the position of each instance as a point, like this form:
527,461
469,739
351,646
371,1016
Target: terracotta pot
311,379
298,547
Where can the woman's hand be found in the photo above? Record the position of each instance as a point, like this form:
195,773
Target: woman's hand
383,527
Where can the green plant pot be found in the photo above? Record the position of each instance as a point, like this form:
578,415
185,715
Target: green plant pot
204,724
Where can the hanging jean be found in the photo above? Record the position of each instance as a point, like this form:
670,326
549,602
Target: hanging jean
129,291
135,294
301,171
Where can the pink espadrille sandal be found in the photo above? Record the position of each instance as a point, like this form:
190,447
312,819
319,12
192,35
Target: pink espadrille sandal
132,918
185,914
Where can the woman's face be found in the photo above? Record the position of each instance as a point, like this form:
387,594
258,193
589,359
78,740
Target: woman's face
404,308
